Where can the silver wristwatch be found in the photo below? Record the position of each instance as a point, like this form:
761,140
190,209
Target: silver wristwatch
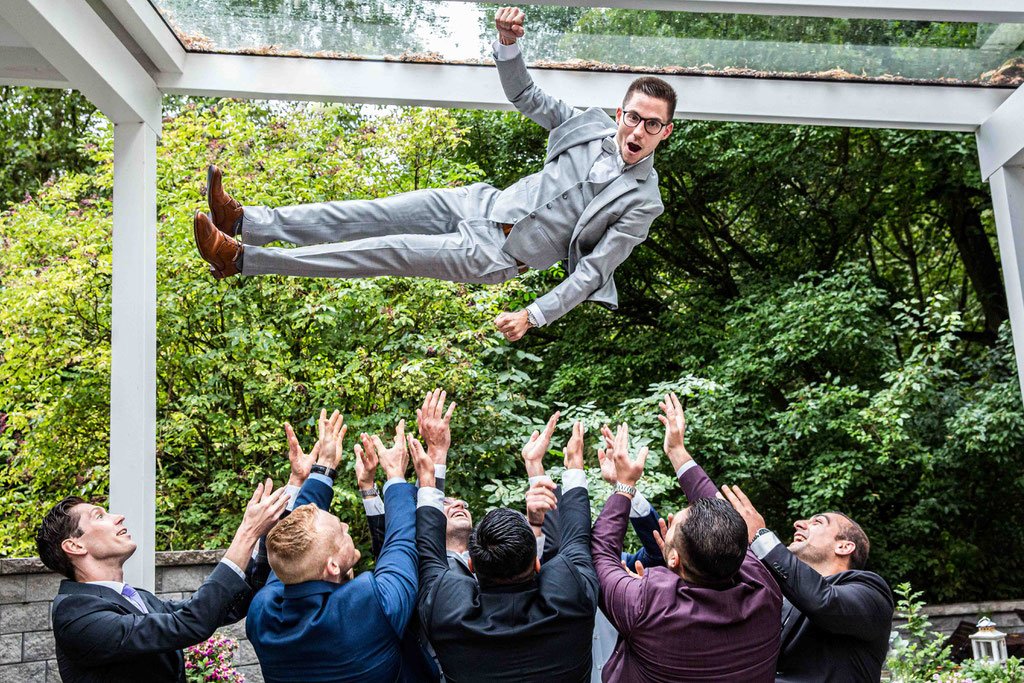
623,488
529,318
369,493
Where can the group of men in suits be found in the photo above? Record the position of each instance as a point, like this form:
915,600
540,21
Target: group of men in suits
542,596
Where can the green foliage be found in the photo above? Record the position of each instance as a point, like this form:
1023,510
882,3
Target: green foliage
920,657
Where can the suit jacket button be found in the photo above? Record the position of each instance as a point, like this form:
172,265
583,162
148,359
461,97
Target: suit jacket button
579,186
565,195
533,215
549,205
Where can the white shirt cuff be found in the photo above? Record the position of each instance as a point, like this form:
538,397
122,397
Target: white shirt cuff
537,315
234,567
640,507
293,495
572,479
764,543
540,546
540,477
430,497
503,53
689,464
440,471
373,506
389,482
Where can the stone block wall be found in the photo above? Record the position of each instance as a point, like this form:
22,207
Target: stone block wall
27,590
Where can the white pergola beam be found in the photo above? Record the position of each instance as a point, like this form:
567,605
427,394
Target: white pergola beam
878,105
75,41
1007,185
133,346
990,11
150,32
24,66
1001,136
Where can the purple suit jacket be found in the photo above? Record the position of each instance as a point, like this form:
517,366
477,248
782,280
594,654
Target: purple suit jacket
675,632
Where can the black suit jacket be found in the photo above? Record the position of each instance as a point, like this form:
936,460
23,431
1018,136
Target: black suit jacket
834,628
540,630
102,636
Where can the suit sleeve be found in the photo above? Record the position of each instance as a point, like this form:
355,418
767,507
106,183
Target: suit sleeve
433,561
650,554
596,267
857,608
377,524
696,483
541,108
575,541
102,635
552,530
621,594
395,574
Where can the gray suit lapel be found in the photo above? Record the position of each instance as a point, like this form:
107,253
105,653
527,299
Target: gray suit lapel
593,124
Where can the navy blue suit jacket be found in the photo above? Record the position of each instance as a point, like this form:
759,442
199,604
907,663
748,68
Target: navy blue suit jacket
322,631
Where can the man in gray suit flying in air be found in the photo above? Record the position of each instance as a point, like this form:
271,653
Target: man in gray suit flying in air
593,201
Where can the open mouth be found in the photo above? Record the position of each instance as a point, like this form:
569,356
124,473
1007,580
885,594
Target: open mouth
459,513
633,147
799,538
122,532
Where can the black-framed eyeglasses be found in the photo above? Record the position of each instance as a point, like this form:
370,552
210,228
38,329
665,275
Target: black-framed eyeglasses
652,126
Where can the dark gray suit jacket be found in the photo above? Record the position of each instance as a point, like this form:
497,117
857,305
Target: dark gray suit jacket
834,628
101,636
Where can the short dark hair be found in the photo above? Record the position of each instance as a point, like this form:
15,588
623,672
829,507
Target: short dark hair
503,547
652,86
60,523
713,539
849,530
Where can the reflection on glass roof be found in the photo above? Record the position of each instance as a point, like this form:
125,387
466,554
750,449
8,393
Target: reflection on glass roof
610,39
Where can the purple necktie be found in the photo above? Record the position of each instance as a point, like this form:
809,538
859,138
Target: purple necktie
133,596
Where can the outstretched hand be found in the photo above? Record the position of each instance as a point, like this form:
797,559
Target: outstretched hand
675,429
748,512
434,425
513,325
540,499
366,464
422,463
509,22
300,462
627,470
574,449
394,460
537,447
261,513
332,432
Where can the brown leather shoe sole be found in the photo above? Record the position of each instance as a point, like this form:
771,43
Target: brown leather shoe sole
223,213
220,252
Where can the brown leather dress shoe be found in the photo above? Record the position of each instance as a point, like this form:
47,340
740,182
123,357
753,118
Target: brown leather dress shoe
221,252
224,210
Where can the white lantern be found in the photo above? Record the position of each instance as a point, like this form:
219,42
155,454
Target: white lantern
989,644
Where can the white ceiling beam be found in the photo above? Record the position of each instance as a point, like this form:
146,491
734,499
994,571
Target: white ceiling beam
876,105
148,29
75,41
24,66
991,11
1001,136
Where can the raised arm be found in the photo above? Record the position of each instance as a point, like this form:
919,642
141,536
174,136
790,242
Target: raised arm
621,593
574,515
431,524
435,427
642,514
693,480
366,470
537,105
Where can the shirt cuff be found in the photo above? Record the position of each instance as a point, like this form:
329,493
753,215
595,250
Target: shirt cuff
440,471
316,476
689,464
293,495
234,567
503,53
537,315
640,507
389,482
428,496
539,477
373,506
572,479
764,544
540,546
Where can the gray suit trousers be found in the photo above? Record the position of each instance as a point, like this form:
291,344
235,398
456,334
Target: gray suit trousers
439,233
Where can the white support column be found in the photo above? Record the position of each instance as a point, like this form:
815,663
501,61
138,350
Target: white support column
133,346
1007,185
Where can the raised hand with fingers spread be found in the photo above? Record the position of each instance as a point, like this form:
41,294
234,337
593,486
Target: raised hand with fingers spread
627,470
675,429
434,425
421,462
394,460
366,465
261,513
537,447
299,460
332,432
748,512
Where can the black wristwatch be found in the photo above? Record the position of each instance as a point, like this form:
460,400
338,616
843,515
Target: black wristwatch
324,470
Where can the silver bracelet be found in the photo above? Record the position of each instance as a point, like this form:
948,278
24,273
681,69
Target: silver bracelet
369,493
624,488
530,319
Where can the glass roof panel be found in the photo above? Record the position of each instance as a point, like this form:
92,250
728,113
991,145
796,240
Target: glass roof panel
610,39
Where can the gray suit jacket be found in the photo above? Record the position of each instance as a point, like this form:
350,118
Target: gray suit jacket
615,220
